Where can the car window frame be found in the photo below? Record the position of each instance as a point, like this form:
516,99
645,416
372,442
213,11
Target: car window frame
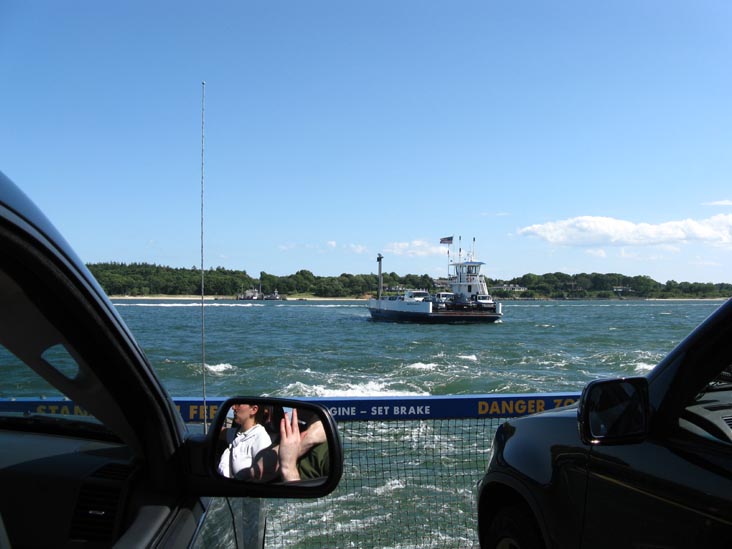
688,369
62,291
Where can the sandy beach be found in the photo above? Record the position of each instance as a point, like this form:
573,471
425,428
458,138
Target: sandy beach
220,298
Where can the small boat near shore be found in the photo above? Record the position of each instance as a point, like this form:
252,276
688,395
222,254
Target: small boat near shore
467,302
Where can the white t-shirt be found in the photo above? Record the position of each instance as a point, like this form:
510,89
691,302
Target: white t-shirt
243,446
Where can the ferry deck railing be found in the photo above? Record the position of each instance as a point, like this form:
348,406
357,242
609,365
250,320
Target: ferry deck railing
411,466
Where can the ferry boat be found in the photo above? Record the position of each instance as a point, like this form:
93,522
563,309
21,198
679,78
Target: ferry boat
468,300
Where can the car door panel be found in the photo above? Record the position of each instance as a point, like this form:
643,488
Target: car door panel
669,494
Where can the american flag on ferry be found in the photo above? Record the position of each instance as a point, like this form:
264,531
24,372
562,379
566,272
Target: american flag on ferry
446,240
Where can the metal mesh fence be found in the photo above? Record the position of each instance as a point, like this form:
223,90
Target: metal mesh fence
405,484
411,465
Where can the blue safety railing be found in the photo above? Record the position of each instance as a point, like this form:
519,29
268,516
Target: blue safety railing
193,410
411,465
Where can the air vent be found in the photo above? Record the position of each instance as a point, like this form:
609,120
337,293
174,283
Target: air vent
95,514
728,421
113,471
99,502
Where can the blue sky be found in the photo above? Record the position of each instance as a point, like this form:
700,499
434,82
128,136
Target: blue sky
576,136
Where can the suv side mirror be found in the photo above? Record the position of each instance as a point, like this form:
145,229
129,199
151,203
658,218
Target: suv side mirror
268,447
614,411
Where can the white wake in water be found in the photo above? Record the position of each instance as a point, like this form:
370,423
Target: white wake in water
219,368
422,366
366,389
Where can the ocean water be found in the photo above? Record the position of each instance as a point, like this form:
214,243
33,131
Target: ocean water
332,348
423,495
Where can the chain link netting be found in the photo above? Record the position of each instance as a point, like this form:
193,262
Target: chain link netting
405,484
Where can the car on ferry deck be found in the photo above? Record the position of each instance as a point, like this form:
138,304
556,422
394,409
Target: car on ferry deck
638,462
106,459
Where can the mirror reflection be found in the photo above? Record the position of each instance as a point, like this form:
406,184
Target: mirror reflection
617,408
261,442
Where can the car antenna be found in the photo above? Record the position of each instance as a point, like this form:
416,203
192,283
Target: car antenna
203,310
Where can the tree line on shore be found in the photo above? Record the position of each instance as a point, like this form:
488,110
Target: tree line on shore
144,279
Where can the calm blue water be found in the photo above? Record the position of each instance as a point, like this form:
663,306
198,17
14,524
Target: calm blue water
332,348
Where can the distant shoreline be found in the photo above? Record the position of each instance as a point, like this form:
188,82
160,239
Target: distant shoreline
505,300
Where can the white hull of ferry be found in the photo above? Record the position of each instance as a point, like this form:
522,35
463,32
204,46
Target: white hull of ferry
396,310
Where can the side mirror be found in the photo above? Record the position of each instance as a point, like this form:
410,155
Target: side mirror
614,411
268,447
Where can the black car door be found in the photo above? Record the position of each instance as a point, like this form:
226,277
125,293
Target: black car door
660,493
674,488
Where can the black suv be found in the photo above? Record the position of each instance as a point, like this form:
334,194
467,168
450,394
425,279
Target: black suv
108,461
638,462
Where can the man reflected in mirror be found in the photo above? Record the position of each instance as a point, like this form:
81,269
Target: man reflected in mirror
300,454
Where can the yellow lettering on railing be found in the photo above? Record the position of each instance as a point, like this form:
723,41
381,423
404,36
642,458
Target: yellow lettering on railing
515,407
199,412
62,409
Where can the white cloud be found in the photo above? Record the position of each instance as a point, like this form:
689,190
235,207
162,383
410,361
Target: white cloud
415,248
597,252
669,248
331,244
358,248
594,231
718,203
705,262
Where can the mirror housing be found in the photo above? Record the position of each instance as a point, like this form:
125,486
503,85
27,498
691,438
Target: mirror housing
614,411
245,460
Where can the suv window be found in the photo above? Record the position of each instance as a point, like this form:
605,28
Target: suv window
18,380
709,414
35,360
